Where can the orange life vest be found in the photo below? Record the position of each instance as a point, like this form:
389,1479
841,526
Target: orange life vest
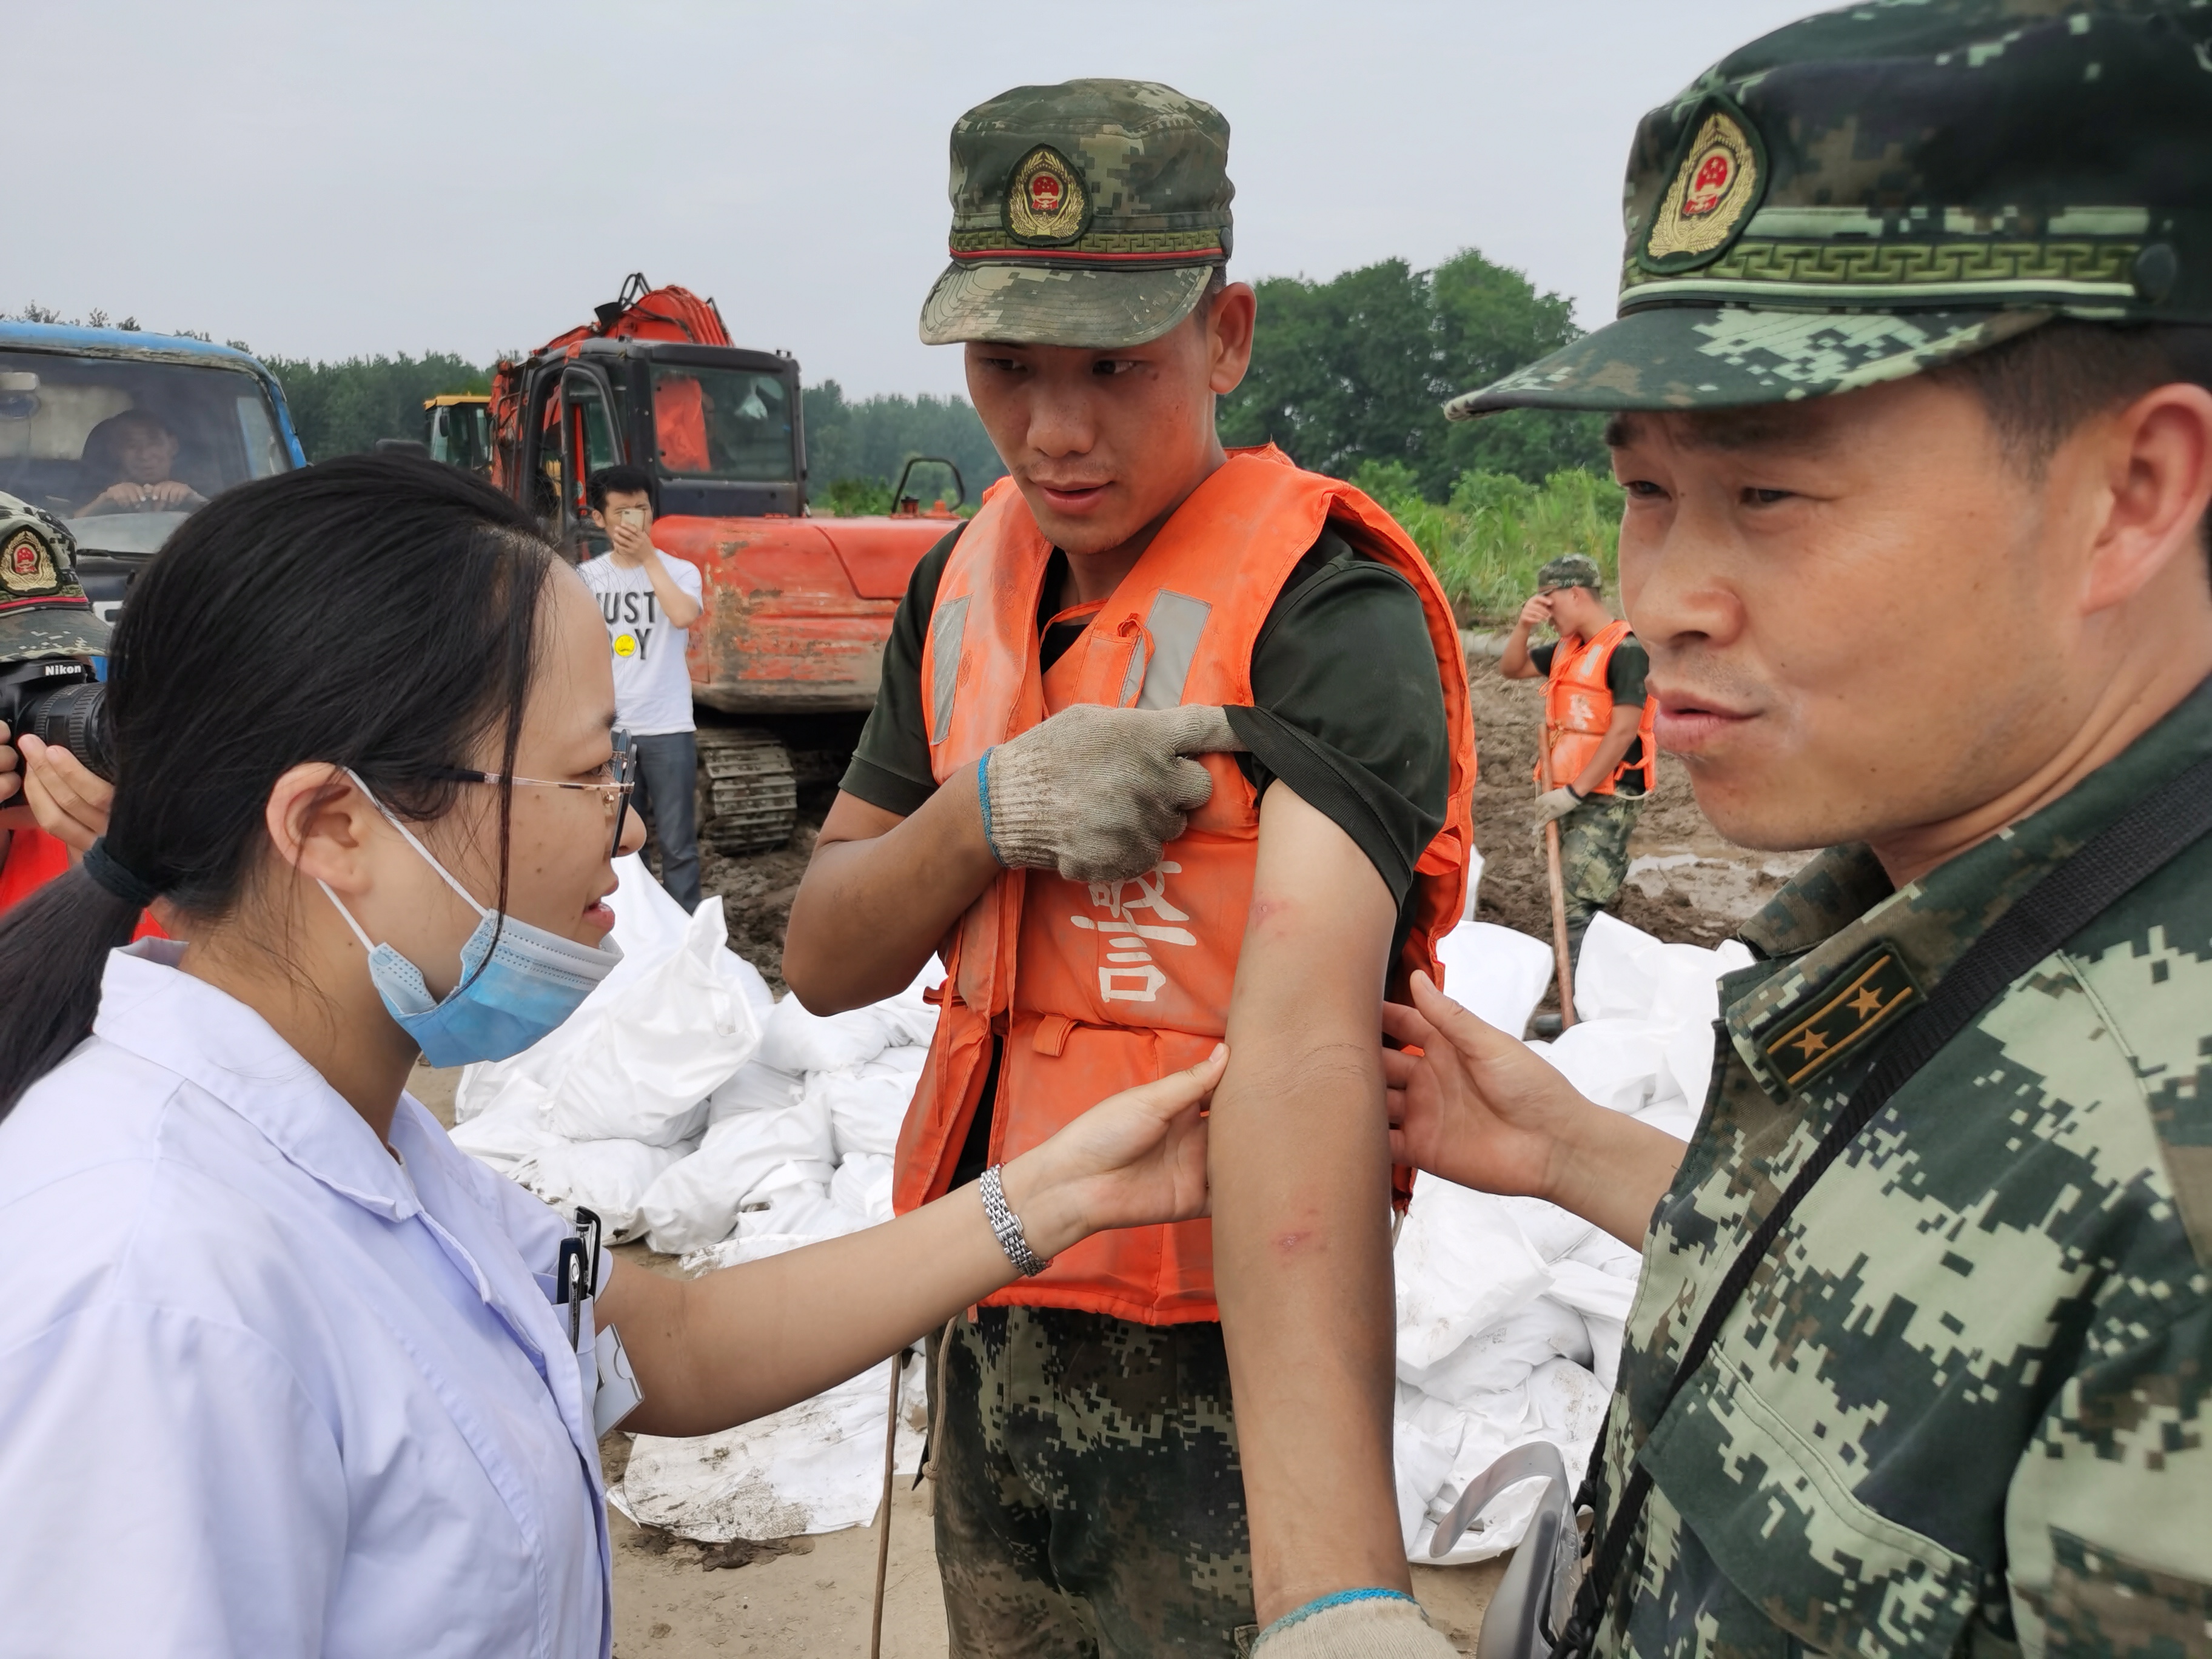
1578,712
1099,987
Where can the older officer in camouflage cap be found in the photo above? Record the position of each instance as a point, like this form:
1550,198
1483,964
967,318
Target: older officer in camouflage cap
1598,763
1025,796
1910,398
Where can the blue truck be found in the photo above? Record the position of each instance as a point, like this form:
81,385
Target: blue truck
124,434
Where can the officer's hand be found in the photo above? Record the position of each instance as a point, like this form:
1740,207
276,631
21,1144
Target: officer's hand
69,800
1476,1105
1555,804
1537,611
1095,792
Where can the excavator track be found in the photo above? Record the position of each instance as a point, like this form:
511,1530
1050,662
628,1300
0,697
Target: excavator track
748,797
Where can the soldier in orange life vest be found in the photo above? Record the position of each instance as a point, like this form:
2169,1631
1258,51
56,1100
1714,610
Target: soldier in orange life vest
1173,744
1598,726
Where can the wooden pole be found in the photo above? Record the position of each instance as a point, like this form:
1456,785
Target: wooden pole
1563,957
883,1519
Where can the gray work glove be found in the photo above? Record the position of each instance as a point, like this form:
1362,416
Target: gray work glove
1555,804
1095,792
1380,1627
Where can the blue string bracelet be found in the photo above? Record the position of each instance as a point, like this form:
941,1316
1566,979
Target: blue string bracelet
983,798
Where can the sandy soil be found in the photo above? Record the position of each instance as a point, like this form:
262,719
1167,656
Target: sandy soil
678,1600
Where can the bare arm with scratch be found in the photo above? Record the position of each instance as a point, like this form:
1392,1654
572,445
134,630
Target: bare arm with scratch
1300,1163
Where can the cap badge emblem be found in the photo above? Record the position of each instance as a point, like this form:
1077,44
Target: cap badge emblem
1713,190
26,565
1046,200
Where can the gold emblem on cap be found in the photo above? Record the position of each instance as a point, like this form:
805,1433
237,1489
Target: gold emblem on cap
26,565
1045,202
1713,189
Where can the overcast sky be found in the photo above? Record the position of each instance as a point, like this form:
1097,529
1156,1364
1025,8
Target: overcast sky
473,175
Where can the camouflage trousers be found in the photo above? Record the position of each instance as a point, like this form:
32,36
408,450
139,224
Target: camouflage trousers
1594,859
1090,1501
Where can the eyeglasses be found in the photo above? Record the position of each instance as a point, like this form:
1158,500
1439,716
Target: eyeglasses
619,779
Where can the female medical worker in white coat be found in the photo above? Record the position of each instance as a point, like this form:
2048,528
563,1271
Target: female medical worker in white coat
281,1371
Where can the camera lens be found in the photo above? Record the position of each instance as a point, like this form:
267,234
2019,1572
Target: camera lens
74,718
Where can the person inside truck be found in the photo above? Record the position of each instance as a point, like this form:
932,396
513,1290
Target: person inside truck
136,454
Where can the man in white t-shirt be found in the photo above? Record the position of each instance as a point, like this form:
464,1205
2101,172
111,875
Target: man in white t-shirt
648,600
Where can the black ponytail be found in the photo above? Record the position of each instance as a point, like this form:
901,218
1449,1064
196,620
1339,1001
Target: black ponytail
380,612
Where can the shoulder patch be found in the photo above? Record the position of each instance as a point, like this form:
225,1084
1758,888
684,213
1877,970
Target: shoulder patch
1862,999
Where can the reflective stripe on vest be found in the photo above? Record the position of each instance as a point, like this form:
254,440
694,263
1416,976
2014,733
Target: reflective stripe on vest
1578,712
1101,986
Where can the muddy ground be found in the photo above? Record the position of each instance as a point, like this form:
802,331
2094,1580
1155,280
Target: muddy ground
678,1600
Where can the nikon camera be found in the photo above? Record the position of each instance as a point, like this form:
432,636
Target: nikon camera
48,633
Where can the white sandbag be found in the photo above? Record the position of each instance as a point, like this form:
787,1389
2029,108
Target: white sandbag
1461,1265
755,1087
1625,973
1499,1359
865,1104
1439,1449
644,1070
1615,1061
695,1203
1551,1231
796,1041
519,1127
914,1020
1473,883
637,1063
1603,1300
609,1177
801,1209
649,926
863,1186
1499,975
817,1466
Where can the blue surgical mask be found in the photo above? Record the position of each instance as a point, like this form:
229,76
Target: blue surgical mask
532,980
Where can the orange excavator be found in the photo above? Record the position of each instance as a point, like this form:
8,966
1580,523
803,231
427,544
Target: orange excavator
785,660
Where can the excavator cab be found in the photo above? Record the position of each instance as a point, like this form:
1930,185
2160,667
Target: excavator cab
785,663
457,430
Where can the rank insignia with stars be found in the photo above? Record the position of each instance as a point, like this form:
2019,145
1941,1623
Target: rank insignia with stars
1852,1006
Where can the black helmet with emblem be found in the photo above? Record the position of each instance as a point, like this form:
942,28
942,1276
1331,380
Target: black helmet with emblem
44,611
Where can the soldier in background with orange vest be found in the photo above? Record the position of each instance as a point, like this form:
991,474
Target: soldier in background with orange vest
1597,728
1172,744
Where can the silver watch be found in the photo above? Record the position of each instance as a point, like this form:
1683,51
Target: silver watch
1008,1226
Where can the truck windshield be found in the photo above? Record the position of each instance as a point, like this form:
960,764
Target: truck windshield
725,423
123,450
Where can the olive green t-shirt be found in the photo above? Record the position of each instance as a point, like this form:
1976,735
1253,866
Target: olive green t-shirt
1347,708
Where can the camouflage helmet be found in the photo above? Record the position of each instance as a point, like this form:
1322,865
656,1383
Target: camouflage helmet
44,611
1871,191
1087,214
1569,570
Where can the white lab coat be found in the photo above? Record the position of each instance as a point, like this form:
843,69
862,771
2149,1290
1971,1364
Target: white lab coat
263,1390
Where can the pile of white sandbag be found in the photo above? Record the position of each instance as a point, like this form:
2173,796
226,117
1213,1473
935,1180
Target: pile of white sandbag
689,1108
1510,1309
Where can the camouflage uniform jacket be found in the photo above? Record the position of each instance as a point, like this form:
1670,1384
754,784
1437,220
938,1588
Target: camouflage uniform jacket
1962,1406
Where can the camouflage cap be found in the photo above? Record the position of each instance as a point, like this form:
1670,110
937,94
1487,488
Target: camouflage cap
1874,191
1569,570
44,611
1087,214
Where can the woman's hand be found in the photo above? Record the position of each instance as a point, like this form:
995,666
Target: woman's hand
68,799
1133,1160
1483,1110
